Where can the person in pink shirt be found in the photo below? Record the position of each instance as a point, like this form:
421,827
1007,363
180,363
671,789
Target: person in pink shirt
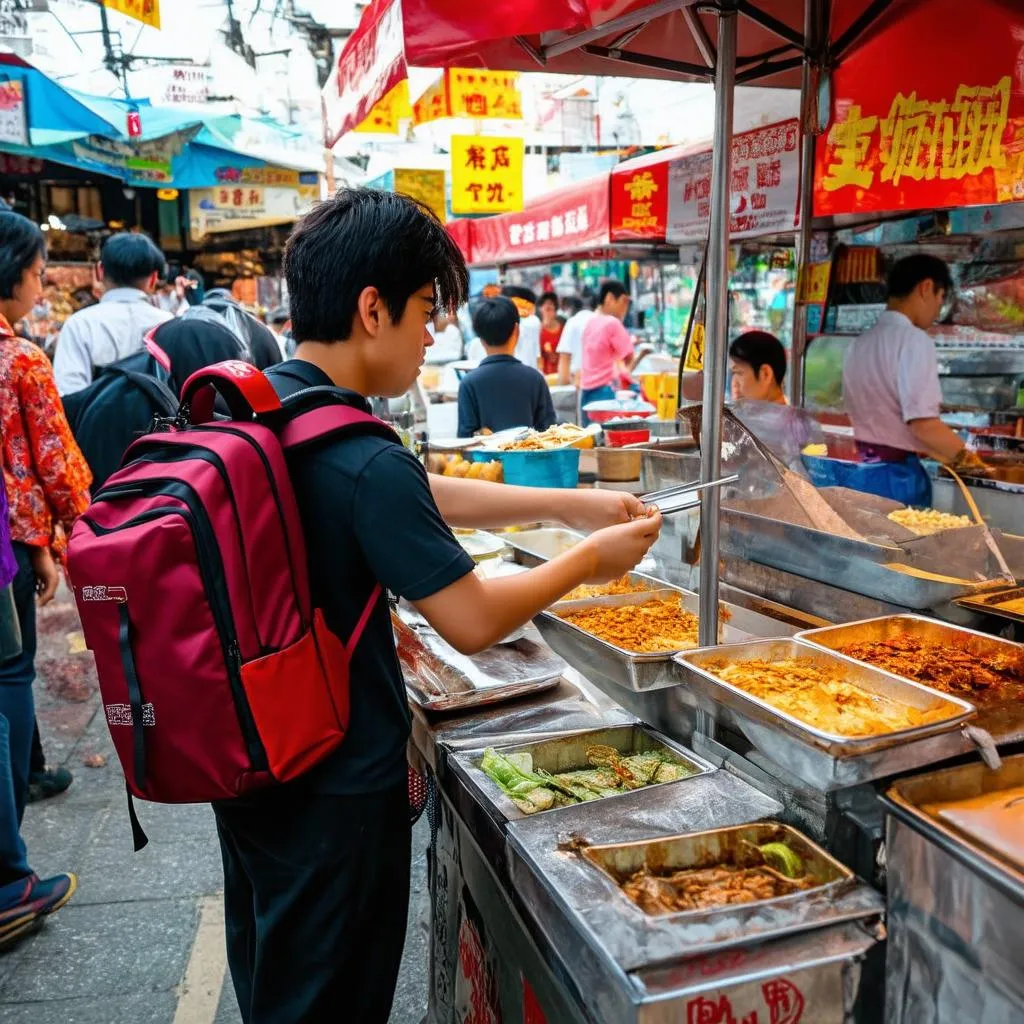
607,346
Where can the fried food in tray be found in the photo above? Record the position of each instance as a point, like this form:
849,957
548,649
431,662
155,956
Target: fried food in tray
755,874
653,627
559,435
926,521
623,585
948,667
823,699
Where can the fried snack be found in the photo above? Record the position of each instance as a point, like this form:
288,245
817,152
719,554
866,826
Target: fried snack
654,627
1016,605
925,521
623,585
945,666
798,687
554,437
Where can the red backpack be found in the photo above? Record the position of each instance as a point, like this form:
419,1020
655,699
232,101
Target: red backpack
218,677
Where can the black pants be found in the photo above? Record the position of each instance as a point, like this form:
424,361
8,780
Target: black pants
316,895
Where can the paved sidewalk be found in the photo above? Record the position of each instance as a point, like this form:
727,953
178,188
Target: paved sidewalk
142,941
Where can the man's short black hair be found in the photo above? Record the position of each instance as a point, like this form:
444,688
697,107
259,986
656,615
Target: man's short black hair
759,348
616,289
573,304
906,274
128,259
495,320
21,242
518,291
364,238
548,297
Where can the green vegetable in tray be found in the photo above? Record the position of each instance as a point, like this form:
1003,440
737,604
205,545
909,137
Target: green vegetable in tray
610,774
783,859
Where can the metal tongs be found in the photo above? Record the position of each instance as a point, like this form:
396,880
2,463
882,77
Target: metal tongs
683,496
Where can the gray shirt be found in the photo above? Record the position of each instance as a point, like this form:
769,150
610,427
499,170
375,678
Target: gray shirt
890,377
102,334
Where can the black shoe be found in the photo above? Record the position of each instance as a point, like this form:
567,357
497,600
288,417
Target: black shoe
47,783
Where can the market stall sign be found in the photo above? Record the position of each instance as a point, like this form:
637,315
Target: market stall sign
487,174
249,198
639,204
470,92
814,278
147,162
764,191
942,127
146,11
13,120
427,186
280,177
386,115
211,212
569,220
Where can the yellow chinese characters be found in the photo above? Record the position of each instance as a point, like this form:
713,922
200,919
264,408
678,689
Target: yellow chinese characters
922,139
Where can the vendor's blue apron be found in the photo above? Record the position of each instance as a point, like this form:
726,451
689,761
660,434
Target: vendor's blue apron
888,472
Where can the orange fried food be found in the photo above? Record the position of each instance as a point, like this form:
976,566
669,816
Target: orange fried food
653,627
826,701
623,585
946,666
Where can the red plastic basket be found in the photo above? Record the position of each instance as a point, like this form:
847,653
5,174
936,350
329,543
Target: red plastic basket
620,438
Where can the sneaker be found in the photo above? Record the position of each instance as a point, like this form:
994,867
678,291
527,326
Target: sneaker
31,899
47,783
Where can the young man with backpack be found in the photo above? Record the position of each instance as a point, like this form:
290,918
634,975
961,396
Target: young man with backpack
295,723
317,872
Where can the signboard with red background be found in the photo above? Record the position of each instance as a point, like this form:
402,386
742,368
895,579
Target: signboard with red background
639,205
567,221
928,113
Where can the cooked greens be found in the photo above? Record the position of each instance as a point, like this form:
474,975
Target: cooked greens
609,774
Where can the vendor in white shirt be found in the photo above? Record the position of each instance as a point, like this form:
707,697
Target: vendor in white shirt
570,345
891,383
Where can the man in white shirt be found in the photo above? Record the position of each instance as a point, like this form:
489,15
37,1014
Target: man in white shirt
130,267
891,380
570,345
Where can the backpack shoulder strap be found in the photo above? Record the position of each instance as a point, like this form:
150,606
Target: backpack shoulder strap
309,427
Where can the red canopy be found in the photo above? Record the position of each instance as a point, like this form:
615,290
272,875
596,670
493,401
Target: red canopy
570,221
666,39
462,232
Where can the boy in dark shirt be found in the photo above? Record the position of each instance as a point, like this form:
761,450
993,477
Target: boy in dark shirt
502,392
316,872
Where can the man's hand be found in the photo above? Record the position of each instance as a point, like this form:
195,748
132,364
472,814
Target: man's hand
616,550
589,510
969,463
47,575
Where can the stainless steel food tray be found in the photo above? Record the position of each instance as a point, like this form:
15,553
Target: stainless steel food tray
994,603
568,753
822,760
858,566
1003,719
620,861
907,798
501,673
591,656
532,547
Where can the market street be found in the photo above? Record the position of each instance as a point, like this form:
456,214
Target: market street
143,938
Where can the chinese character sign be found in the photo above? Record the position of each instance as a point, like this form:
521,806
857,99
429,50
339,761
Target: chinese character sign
13,123
384,118
945,130
146,11
763,192
487,174
426,186
248,198
470,92
640,202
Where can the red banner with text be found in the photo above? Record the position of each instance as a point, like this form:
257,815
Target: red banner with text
927,114
640,199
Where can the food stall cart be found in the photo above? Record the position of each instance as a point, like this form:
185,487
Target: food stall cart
575,960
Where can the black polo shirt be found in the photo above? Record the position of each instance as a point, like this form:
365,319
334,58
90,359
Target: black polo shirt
367,516
502,392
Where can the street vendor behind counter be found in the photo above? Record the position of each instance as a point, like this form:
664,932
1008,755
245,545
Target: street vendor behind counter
891,385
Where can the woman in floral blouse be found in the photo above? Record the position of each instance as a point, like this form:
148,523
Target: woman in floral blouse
47,483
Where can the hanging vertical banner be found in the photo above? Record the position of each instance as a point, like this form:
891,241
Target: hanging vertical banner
943,128
640,201
487,174
470,92
426,186
13,122
384,118
146,11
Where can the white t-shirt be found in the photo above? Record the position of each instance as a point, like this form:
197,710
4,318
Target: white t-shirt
476,352
447,345
889,378
572,339
528,349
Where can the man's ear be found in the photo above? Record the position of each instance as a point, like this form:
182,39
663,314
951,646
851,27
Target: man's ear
151,282
370,311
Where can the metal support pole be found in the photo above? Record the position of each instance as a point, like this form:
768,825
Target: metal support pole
808,107
717,339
